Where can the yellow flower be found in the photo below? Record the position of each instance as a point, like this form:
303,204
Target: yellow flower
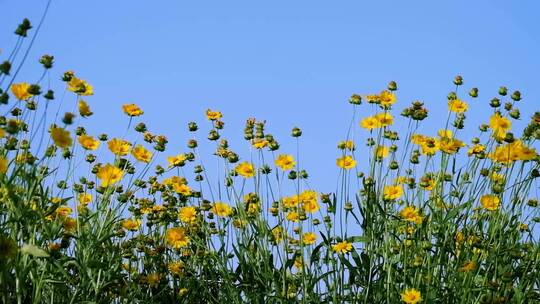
392,192
278,234
430,146
285,162
84,109
450,145
511,152
309,238
411,214
69,224
84,198
109,175
411,296
88,142
381,152
310,206
63,211
20,90
259,143
222,209
183,189
176,161
119,146
346,162
80,87
293,216
370,123
141,154
387,99
500,125
476,149
187,214
176,237
131,224
468,266
445,133
176,268
132,110
457,106
213,115
342,247
346,144
385,119
3,165
61,137
245,169
153,279
490,202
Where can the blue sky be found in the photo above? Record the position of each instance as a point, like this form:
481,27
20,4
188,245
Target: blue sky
292,63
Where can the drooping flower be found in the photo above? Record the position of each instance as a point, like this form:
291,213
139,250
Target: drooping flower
109,175
285,162
84,109
61,137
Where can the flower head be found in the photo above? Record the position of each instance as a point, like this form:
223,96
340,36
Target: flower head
490,202
245,169
346,162
176,237
342,247
61,137
88,142
119,146
20,91
141,154
285,162
132,110
411,296
109,175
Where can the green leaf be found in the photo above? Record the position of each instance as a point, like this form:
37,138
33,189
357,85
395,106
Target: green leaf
34,250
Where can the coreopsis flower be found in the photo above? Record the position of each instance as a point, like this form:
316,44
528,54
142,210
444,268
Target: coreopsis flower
132,110
370,123
291,201
63,211
61,137
476,149
387,99
187,214
411,214
346,162
310,206
176,268
153,279
259,143
445,133
392,192
468,266
508,153
213,115
430,146
109,175
342,247
278,234
499,125
381,152
222,209
84,198
84,109
119,146
450,145
20,91
384,119
177,160
176,237
490,202
88,142
346,144
411,296
293,216
80,87
285,162
3,165
131,224
309,238
69,224
181,188
457,106
141,154
245,169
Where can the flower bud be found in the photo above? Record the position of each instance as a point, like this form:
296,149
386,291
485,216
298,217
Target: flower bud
495,103
503,91
49,95
192,144
5,67
192,126
47,61
355,99
515,114
458,80
68,118
473,92
296,132
392,86
516,96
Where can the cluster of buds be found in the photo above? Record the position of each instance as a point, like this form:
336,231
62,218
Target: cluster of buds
23,28
160,142
416,111
533,128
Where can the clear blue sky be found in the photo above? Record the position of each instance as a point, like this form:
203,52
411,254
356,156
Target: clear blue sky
293,63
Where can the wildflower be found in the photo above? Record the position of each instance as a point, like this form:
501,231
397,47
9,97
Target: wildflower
309,238
69,224
183,189
153,279
445,133
392,192
346,144
187,214
176,268
511,152
176,161
3,165
132,110
109,175
457,106
131,224
259,143
384,119
450,145
141,154
84,109
411,214
245,169
176,237
277,234
285,162
84,198
411,296
119,146
213,115
370,123
310,202
500,125
387,99
490,202
222,209
476,149
88,142
381,152
293,216
61,137
20,91
80,87
346,162
430,146
342,247
468,266
63,211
